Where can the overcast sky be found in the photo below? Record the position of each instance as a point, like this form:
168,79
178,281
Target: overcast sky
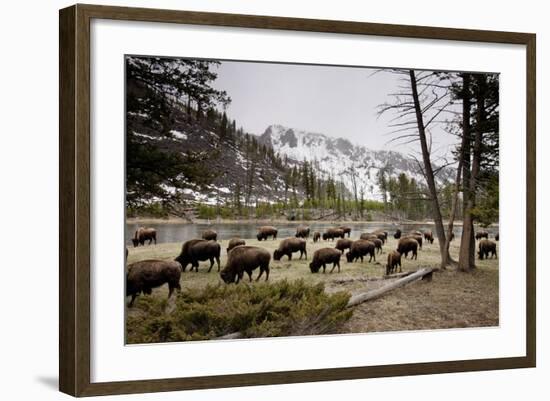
336,101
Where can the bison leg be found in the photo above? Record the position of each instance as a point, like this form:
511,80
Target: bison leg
249,275
218,261
266,272
211,264
415,256
132,300
289,256
260,275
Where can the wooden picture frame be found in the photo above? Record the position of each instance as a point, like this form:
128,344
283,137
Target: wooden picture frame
74,203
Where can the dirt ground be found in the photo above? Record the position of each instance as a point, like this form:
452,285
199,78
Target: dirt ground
451,300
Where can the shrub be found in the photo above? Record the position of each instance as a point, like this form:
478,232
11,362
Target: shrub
258,310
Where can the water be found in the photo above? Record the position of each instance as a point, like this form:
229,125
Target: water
181,232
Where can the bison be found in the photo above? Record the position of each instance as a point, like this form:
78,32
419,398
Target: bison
482,234
487,247
233,242
346,230
332,233
385,233
394,260
143,234
397,234
377,244
245,258
406,245
496,236
316,236
145,275
210,235
266,231
359,249
418,239
302,232
289,246
429,237
324,256
196,250
368,236
343,243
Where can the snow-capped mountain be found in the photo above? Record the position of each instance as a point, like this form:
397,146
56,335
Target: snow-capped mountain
342,160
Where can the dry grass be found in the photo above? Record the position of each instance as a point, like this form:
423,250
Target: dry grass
452,299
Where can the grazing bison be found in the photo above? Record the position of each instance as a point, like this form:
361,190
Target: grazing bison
233,242
487,247
359,249
346,230
406,245
245,258
377,244
343,243
429,237
394,260
210,235
418,239
332,233
324,256
316,236
143,234
143,276
289,246
496,236
385,233
482,234
302,232
368,236
196,250
397,234
266,231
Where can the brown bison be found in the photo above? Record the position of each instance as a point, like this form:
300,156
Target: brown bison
210,235
482,234
196,250
429,237
245,258
496,236
302,232
289,246
346,230
143,234
332,233
406,245
143,276
343,243
359,249
394,260
417,237
487,247
377,244
233,242
266,231
385,233
324,256
316,236
368,236
397,234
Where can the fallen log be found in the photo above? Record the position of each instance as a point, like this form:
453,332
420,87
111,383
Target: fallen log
369,295
397,275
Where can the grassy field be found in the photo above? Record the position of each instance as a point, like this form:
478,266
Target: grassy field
452,299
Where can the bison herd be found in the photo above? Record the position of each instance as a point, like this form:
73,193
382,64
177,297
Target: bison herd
145,275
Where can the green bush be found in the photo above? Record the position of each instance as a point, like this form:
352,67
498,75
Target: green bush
257,310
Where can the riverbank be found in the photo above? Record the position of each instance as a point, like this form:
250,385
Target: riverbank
179,220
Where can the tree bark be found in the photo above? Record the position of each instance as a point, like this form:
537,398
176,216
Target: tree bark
436,210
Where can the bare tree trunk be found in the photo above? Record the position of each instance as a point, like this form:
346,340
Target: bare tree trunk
467,242
436,211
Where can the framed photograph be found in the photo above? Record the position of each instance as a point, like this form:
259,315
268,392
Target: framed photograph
250,200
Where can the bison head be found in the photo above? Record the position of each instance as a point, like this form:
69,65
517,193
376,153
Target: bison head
259,236
277,254
397,234
314,267
227,276
349,257
135,241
